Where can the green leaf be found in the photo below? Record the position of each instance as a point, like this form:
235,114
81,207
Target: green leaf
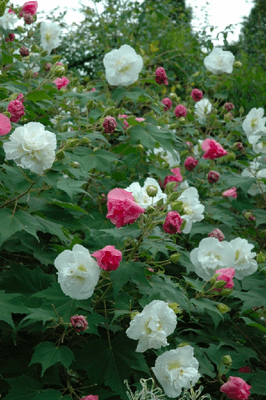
71,187
257,382
111,364
100,159
51,227
38,95
47,354
10,304
249,322
210,306
50,394
69,206
151,135
36,315
127,271
23,388
255,297
10,224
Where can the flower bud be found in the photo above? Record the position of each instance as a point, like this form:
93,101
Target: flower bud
228,117
226,292
70,143
60,155
190,163
237,64
241,110
79,322
177,206
140,147
24,52
58,70
227,360
229,106
133,314
175,257
35,48
175,308
182,120
173,196
261,257
170,187
20,29
223,308
28,18
249,216
109,124
230,156
220,284
173,96
218,234
152,190
150,210
75,164
47,66
85,141
213,176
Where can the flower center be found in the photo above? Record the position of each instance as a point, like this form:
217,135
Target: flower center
254,122
187,209
173,365
48,36
82,268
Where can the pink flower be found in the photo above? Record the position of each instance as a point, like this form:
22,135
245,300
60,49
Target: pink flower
167,103
173,222
229,106
190,163
122,208
218,234
90,397
79,323
230,193
160,76
5,125
245,370
10,11
180,111
108,258
125,116
212,149
109,124
177,177
24,52
10,37
196,94
30,7
93,90
16,109
61,82
140,119
47,66
213,176
20,97
226,275
236,388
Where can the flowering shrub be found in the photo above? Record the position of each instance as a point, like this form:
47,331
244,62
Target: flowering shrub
132,237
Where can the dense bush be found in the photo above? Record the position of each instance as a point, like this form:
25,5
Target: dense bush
117,210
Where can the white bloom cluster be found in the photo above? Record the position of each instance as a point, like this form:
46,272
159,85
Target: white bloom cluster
50,32
142,197
78,272
254,171
8,20
152,326
31,147
192,208
219,61
122,66
202,109
171,158
212,255
254,127
177,369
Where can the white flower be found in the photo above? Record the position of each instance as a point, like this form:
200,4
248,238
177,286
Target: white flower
8,19
78,272
254,122
254,172
173,158
141,196
219,61
192,208
210,256
244,259
202,108
177,369
50,32
31,147
152,326
122,66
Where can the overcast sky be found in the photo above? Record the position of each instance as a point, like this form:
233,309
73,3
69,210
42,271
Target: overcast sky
217,13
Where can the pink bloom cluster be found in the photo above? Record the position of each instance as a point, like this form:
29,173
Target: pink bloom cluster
16,108
213,176
190,163
5,125
177,177
196,94
109,124
226,275
167,103
79,322
172,223
160,76
230,193
180,111
122,208
61,82
218,234
212,149
236,388
90,397
108,258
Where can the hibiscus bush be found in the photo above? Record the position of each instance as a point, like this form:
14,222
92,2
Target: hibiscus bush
132,225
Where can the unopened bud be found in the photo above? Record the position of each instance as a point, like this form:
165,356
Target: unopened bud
261,257
28,18
7,114
75,164
140,147
85,141
227,360
230,156
35,48
152,190
228,117
175,257
182,120
70,143
173,196
173,96
60,155
213,279
226,292
241,110
24,52
150,210
220,284
170,187
20,29
133,314
175,308
177,206
58,70
223,308
237,64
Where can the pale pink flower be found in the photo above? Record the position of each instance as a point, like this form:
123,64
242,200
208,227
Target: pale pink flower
218,234
236,388
16,109
140,119
30,7
196,94
167,103
190,163
5,125
180,111
125,116
213,176
172,223
79,322
226,275
93,89
61,82
230,193
160,76
212,149
108,258
122,208
109,124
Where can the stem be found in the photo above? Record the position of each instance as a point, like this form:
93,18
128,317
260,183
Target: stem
18,197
